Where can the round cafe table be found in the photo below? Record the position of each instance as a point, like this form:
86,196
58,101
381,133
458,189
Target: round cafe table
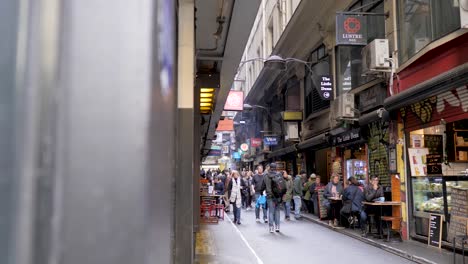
381,205
336,201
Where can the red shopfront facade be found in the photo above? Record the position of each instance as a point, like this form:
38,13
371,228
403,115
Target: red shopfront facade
431,99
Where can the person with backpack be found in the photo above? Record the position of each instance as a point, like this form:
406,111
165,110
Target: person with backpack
275,187
297,195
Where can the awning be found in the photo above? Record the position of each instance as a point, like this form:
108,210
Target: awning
313,142
283,151
374,116
456,77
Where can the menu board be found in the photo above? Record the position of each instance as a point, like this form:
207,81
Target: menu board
418,161
458,214
280,165
435,230
321,203
434,143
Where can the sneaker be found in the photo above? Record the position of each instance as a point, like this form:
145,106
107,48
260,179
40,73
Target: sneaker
238,222
287,218
330,222
272,230
351,220
265,220
257,220
277,229
363,233
335,222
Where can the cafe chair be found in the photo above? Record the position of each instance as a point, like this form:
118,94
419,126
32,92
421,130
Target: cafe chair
388,223
464,240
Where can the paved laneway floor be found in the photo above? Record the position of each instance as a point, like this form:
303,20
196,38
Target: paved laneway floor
298,242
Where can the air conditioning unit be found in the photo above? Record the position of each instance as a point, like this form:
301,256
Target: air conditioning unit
375,57
420,43
464,13
343,107
292,131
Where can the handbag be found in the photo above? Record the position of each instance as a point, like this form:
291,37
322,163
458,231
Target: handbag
348,204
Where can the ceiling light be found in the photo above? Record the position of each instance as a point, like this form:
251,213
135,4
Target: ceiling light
207,90
206,95
205,104
206,100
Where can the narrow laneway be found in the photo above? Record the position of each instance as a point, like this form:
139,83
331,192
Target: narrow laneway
298,242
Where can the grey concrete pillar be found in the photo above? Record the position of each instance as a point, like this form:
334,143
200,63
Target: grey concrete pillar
184,213
96,126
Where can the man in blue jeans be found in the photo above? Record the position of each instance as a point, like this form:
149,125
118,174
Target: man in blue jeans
297,194
272,201
257,182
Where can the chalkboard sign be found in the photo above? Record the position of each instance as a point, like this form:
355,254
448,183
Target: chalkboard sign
434,164
458,214
435,230
434,143
321,203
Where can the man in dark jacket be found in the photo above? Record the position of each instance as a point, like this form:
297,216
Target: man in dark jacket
373,192
257,183
272,201
353,197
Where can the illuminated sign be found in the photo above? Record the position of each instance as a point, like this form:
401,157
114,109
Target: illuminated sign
235,101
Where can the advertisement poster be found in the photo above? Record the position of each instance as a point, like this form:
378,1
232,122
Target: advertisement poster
417,160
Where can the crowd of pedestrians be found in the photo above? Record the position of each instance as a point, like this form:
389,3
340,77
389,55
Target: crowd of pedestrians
269,190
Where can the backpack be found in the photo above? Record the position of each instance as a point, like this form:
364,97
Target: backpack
278,186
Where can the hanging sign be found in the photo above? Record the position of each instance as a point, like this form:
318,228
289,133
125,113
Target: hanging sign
244,147
255,142
326,87
270,141
351,30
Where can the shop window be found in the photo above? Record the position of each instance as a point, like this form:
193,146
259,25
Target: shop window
320,66
423,21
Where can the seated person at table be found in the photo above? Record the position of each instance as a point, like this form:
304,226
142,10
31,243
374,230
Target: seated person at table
353,197
333,190
374,192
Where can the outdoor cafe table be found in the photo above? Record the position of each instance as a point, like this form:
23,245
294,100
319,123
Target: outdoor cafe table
336,201
381,205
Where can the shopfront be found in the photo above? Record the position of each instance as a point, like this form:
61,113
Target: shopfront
351,152
437,162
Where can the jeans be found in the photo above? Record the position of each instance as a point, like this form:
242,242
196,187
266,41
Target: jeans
236,211
257,210
273,206
297,206
287,208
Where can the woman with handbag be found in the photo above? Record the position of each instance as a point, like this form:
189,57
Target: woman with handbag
235,188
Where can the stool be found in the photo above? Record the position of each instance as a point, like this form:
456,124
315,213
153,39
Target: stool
371,219
464,240
215,209
390,219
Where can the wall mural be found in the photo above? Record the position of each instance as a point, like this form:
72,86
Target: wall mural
429,109
378,144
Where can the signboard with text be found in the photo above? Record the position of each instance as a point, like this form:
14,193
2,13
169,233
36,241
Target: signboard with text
351,30
346,137
270,141
326,87
255,142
